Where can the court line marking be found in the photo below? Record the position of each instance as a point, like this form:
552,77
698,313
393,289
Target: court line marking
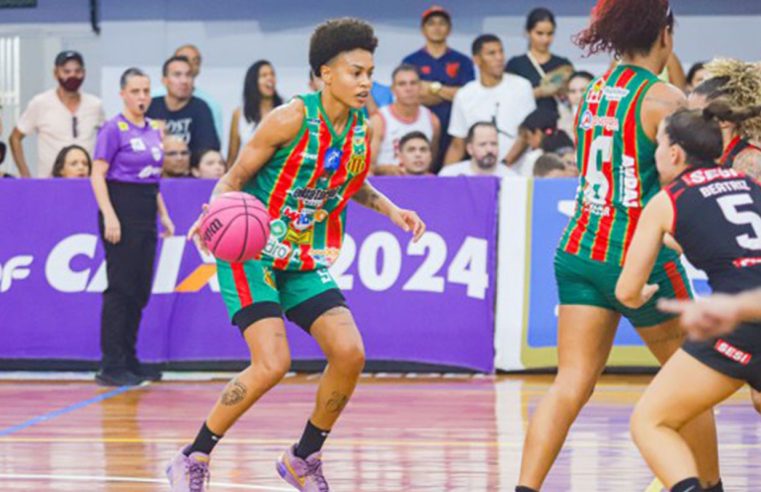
99,478
338,443
45,417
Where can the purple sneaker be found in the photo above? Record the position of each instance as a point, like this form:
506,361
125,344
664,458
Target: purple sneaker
188,473
305,475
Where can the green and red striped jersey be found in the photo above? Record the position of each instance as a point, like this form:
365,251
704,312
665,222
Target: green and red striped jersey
616,161
307,185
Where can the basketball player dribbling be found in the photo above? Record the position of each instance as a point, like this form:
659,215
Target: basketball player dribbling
304,163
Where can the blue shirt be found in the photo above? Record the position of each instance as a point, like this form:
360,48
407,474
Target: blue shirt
453,68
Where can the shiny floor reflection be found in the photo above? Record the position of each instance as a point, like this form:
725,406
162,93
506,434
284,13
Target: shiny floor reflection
398,434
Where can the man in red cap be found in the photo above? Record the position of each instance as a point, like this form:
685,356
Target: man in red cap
442,70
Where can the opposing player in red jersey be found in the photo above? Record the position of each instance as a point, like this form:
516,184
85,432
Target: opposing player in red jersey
714,216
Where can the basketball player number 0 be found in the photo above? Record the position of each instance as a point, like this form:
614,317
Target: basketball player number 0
379,264
729,206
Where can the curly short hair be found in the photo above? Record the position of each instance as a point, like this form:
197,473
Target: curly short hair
336,36
739,83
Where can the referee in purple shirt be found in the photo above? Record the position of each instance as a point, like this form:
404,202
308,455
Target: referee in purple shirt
125,179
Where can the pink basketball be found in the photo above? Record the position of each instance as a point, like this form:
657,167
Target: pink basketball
236,227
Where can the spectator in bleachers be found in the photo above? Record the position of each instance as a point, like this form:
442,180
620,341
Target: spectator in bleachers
192,53
60,117
443,71
547,73
482,143
176,158
551,166
184,115
695,75
403,116
501,98
567,108
259,98
72,161
125,180
416,154
209,165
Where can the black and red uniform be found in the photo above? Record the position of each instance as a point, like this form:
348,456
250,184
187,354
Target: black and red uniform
735,147
717,221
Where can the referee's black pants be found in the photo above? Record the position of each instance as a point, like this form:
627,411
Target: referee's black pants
129,269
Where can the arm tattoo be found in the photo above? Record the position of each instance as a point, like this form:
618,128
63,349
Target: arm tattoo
234,393
749,162
337,402
368,197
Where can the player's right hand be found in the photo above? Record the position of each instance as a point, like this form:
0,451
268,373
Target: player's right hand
112,229
194,234
705,318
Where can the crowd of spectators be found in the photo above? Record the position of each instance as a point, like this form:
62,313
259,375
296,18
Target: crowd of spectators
440,116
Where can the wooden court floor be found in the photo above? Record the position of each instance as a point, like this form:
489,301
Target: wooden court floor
398,434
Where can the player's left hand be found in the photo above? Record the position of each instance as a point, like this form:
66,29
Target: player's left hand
168,225
648,291
408,221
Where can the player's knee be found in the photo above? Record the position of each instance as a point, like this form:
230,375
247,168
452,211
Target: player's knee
348,357
273,367
574,391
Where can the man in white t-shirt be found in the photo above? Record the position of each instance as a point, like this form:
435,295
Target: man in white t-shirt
499,97
482,143
405,115
61,117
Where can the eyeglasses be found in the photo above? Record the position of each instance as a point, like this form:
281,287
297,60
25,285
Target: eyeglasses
74,131
177,153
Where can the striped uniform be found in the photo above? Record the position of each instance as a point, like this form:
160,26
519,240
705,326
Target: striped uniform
618,176
306,187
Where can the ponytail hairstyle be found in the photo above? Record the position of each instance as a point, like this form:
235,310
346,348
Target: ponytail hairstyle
625,27
698,132
739,84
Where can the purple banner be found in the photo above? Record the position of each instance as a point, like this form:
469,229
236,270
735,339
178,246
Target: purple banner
430,302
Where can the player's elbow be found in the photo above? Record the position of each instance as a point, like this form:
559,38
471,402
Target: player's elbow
627,296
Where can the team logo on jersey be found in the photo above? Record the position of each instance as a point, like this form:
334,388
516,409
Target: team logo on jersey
588,120
453,69
357,163
278,229
425,69
731,352
156,153
332,159
614,93
154,124
595,92
122,125
299,237
268,279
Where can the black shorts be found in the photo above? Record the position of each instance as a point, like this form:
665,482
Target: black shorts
303,315
737,355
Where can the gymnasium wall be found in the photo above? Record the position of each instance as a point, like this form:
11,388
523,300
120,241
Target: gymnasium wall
234,33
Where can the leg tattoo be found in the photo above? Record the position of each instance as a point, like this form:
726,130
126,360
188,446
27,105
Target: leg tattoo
337,402
234,393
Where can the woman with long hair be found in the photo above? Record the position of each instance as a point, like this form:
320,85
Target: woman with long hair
259,98
616,126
